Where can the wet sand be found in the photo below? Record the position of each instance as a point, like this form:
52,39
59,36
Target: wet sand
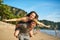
7,33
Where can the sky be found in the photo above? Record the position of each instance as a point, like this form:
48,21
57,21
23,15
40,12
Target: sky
46,9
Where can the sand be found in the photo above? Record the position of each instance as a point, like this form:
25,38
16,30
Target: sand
7,33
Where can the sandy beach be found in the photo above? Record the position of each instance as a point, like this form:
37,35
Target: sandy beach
7,33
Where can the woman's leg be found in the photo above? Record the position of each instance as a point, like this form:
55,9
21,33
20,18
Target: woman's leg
31,33
17,30
16,33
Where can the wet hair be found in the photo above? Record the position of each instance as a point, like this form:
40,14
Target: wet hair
31,13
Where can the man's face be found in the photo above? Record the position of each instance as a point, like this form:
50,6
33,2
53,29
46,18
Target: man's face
33,24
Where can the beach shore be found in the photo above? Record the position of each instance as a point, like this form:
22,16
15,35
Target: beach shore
7,33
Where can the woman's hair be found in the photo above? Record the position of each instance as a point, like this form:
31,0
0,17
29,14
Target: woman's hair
31,13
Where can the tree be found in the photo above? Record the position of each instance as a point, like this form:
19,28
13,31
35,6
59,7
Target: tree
1,1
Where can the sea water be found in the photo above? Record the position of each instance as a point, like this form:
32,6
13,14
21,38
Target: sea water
52,32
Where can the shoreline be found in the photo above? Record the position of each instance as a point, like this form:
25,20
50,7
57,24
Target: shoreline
7,33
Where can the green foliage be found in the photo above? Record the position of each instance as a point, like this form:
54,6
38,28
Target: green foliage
7,12
1,1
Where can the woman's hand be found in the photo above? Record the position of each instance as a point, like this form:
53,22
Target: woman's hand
5,20
48,26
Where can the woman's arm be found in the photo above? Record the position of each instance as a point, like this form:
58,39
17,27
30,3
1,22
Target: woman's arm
16,19
10,19
41,24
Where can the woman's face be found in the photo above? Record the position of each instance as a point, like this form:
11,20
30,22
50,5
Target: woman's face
32,16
